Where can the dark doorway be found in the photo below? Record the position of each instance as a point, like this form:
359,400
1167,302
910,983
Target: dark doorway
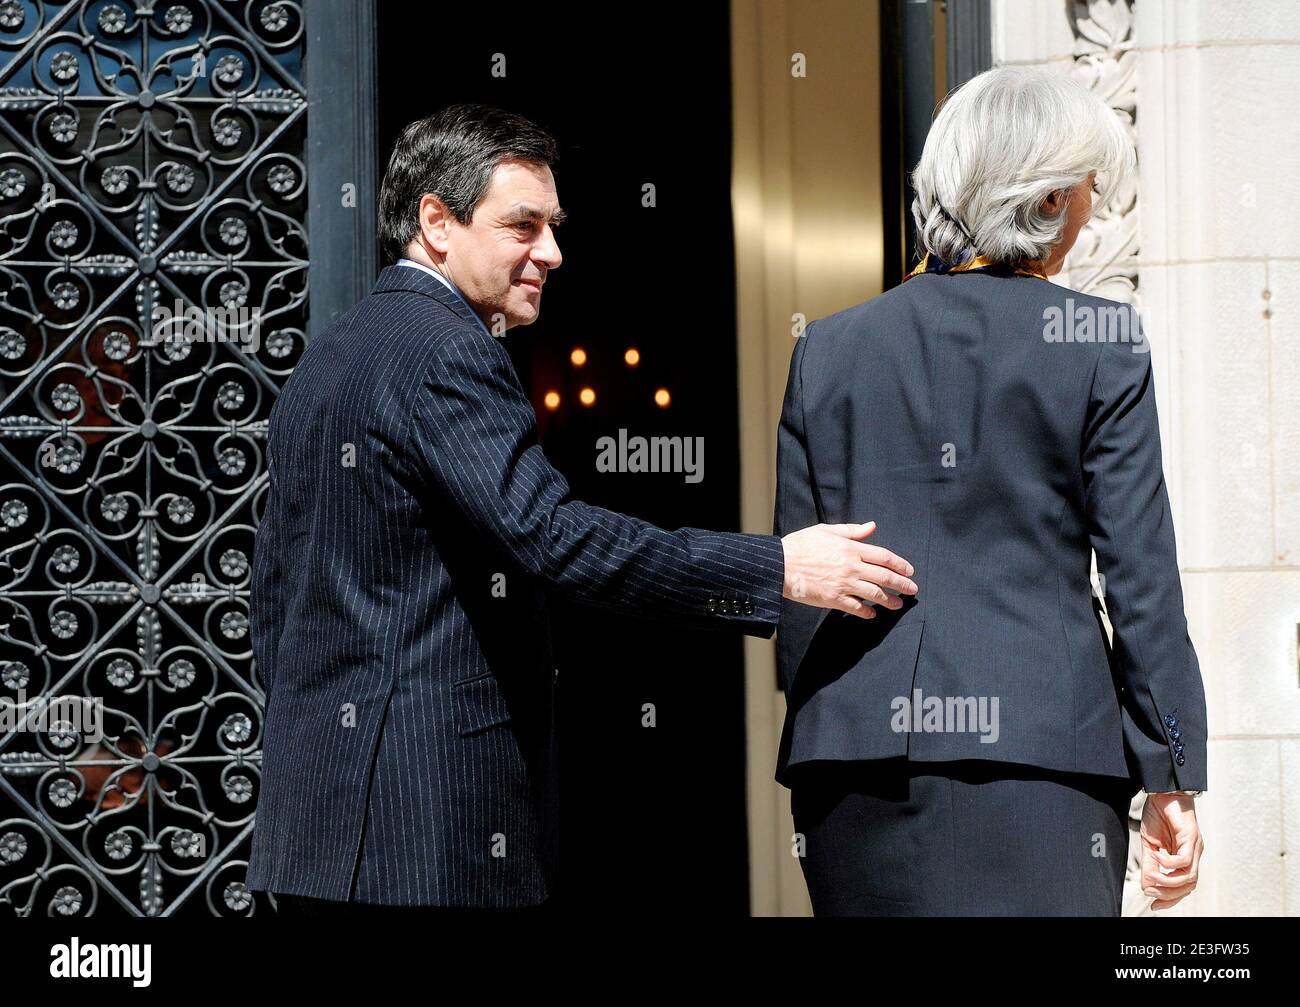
652,818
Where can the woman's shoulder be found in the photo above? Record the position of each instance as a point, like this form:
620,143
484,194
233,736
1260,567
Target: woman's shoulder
862,317
1026,321
927,299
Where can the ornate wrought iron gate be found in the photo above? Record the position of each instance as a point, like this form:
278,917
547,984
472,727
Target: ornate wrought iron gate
151,170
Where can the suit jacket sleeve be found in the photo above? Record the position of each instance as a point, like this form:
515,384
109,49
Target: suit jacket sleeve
796,507
1132,532
474,438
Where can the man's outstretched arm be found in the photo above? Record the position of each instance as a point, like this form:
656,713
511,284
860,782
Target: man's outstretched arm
474,437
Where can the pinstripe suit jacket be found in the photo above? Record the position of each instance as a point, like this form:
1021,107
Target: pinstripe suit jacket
411,536
996,460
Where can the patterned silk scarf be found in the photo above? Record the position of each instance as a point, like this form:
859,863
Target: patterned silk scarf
979,264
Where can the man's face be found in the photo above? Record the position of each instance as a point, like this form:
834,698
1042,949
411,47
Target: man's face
500,260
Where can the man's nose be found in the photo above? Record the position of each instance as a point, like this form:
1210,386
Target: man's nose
547,249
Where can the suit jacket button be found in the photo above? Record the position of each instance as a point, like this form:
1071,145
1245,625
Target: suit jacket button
1171,721
1175,733
713,605
1181,759
749,608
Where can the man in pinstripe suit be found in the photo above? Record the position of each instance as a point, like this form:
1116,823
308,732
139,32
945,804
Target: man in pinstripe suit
408,756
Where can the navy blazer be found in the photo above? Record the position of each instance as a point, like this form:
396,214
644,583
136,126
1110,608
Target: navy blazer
996,460
411,536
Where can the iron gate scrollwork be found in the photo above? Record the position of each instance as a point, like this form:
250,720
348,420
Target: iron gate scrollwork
153,257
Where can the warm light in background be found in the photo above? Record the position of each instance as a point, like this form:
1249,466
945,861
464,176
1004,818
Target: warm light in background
662,398
632,356
587,396
578,357
552,400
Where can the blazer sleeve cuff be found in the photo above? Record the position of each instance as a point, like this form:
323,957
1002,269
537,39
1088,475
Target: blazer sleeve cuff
748,596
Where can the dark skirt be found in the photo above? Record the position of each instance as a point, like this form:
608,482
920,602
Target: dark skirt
967,838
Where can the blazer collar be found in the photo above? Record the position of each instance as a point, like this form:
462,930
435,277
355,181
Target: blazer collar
397,277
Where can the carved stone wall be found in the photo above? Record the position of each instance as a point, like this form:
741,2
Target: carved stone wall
1104,259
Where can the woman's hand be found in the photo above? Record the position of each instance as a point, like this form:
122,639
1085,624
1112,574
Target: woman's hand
1171,839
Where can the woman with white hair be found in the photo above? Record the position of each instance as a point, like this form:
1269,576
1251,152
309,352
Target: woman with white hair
974,750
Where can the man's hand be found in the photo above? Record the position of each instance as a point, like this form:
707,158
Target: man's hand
828,566
1170,839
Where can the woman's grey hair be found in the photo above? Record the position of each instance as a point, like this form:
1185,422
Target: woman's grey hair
1003,142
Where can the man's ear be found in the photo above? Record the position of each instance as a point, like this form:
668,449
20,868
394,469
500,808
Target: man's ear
435,222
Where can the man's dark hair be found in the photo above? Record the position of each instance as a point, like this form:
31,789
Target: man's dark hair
452,155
